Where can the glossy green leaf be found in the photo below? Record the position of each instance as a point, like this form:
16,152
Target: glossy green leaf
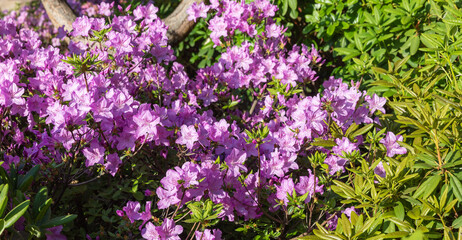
2,226
427,187
16,213
3,198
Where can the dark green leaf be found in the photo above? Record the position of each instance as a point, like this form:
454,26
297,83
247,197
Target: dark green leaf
57,221
26,180
3,198
16,213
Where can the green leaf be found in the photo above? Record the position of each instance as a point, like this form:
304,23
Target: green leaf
330,29
293,4
43,209
352,128
34,231
415,43
347,51
57,221
192,220
285,6
399,211
24,182
457,223
385,37
377,15
358,42
16,213
427,188
309,237
346,225
430,40
196,211
2,226
456,186
406,5
398,234
401,224
323,143
417,235
362,130
400,63
39,200
379,70
453,21
3,198
345,188
326,236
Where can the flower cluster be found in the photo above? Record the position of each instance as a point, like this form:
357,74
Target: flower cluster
122,90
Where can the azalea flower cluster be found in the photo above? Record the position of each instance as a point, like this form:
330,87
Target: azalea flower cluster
135,95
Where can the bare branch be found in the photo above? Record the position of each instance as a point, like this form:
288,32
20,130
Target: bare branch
61,14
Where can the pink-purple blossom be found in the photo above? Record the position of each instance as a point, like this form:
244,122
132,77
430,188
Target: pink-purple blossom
391,143
197,10
188,136
168,230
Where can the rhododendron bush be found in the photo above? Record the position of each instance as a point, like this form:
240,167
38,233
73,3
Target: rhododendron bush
239,148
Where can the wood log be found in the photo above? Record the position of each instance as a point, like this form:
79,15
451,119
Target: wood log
61,14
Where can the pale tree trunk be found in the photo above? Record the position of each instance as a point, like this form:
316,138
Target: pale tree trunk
178,25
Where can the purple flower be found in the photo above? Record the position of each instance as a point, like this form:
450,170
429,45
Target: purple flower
168,230
286,187
146,121
188,136
208,235
332,221
174,183
147,12
376,103
81,26
197,11
344,145
235,161
349,210
218,27
274,31
146,215
112,163
148,193
391,143
167,196
266,109
105,8
150,232
98,24
132,211
120,213
55,233
279,163
11,95
308,184
335,164
119,41
379,170
94,154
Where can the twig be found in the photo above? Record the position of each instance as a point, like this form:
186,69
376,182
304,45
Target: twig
83,183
